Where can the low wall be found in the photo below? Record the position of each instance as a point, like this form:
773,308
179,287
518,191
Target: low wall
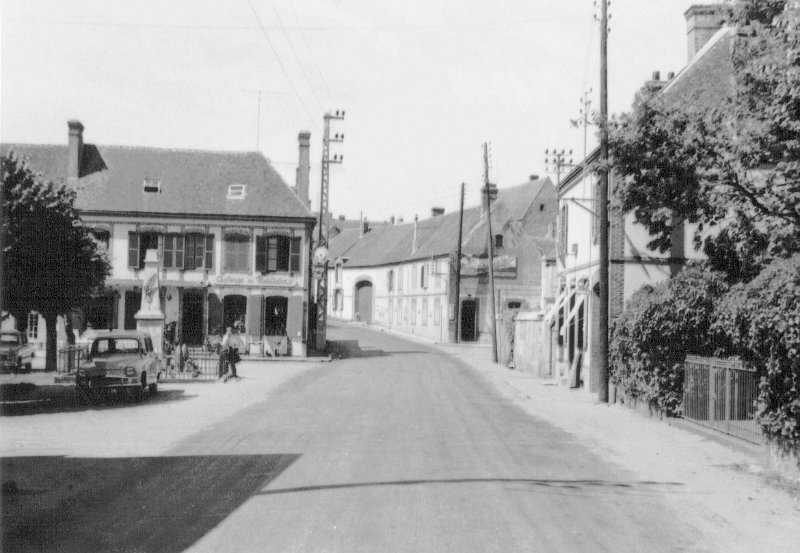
530,351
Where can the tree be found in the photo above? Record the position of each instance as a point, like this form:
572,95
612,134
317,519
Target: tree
734,166
51,263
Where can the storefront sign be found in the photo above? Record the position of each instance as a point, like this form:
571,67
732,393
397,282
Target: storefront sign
283,281
504,265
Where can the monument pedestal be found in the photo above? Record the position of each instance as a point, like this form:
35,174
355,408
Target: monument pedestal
150,318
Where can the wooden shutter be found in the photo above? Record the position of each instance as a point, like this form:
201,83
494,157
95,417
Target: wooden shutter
133,250
199,250
209,252
261,254
169,249
179,251
295,247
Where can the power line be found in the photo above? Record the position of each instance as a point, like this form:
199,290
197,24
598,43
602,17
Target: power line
310,51
296,57
283,68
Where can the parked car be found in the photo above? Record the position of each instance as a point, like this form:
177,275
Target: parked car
16,353
120,360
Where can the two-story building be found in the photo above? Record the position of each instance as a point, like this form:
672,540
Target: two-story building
232,238
572,322
402,275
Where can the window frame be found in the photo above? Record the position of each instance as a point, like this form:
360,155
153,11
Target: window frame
233,256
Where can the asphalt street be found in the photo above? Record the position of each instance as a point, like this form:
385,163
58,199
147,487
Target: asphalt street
398,447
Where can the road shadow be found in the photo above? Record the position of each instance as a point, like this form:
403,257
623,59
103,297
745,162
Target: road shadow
154,504
28,399
547,483
351,349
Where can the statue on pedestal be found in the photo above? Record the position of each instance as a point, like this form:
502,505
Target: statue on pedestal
150,317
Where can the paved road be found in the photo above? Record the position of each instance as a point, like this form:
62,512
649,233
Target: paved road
400,448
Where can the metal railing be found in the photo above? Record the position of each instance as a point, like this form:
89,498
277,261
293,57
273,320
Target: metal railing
198,364
70,359
722,394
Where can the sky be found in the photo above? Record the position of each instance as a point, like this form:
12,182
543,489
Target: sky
423,84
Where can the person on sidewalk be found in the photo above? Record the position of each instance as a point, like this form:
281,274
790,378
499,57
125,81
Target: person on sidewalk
232,343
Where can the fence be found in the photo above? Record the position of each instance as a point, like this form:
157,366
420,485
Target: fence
199,364
722,394
70,359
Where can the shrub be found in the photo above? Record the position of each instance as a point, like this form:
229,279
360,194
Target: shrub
761,321
660,325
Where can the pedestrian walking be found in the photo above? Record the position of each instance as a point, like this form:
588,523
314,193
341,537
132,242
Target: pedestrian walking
232,343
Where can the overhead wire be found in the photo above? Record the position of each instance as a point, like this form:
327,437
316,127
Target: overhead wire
310,51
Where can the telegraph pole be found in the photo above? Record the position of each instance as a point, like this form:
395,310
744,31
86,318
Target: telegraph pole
490,191
602,366
455,335
320,257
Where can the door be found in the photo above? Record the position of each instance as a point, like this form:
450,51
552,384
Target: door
192,318
469,320
362,310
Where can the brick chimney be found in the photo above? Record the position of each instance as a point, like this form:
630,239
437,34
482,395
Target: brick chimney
303,168
436,211
75,149
702,22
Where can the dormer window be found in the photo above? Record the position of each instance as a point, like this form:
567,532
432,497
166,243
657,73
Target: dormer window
151,186
236,191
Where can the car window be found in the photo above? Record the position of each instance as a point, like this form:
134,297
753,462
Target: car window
114,346
127,345
9,338
101,347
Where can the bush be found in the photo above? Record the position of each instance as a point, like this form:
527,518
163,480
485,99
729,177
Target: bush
660,325
761,322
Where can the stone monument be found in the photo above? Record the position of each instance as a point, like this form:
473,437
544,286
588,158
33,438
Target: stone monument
150,317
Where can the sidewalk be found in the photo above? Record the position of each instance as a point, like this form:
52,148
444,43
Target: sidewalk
724,487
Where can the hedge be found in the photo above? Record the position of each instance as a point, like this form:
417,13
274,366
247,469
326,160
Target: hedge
660,325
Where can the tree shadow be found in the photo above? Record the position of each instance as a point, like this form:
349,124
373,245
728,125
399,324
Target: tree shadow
156,504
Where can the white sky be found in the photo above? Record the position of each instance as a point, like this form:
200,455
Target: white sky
424,83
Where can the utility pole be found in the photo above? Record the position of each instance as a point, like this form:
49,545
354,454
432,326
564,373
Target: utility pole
558,161
602,365
490,191
455,333
321,251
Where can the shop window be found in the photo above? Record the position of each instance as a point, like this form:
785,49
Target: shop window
275,315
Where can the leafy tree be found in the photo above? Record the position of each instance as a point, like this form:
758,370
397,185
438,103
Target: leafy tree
51,263
734,166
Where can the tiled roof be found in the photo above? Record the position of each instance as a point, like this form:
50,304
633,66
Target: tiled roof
192,181
437,236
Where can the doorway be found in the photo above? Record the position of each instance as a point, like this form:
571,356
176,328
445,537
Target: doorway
234,309
276,309
469,320
192,318
362,310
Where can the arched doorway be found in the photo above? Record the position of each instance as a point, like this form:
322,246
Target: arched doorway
234,309
192,318
469,320
362,309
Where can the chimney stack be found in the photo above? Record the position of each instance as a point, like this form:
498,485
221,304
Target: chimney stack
436,211
364,227
655,83
702,22
533,178
75,149
303,168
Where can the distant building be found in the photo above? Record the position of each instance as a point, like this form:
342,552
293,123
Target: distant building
232,238
402,275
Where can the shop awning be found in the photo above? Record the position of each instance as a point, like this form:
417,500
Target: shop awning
558,305
579,299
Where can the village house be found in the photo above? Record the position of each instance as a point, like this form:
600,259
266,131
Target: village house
402,275
232,239
572,322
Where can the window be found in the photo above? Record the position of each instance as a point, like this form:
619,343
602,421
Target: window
400,273
237,253
236,191
390,312
425,311
275,315
437,311
278,253
338,272
138,244
413,311
338,300
498,241
173,251
33,325
390,280
399,311
515,304
423,273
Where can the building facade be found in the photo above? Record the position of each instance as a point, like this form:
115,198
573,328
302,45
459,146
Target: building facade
232,239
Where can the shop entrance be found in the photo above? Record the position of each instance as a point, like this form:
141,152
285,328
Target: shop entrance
234,309
469,320
192,318
276,309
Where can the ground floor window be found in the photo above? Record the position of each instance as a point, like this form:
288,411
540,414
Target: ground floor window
234,310
276,309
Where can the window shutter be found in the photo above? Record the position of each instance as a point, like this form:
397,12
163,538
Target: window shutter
188,256
261,254
133,250
294,254
209,252
169,247
199,250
